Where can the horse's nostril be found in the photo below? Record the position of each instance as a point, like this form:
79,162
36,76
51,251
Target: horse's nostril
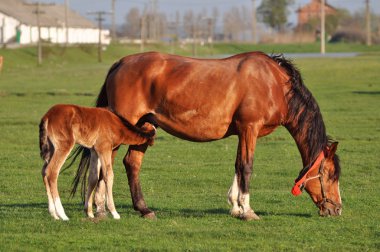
338,211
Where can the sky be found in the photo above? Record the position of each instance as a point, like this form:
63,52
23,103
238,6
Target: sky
171,6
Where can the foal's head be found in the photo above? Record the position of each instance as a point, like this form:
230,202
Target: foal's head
322,184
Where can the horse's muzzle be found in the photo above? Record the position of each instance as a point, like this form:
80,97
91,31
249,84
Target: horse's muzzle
325,210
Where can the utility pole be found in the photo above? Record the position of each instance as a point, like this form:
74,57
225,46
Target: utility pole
155,21
254,22
113,32
100,19
38,12
323,36
143,30
368,23
66,23
210,22
194,31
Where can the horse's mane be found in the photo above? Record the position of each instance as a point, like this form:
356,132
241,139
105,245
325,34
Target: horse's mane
304,109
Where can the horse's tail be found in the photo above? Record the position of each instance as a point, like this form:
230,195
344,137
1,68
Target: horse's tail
102,100
45,146
81,173
143,132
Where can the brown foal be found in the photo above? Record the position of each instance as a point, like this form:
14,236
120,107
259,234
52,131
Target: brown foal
98,129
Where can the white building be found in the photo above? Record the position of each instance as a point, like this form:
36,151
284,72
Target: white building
18,24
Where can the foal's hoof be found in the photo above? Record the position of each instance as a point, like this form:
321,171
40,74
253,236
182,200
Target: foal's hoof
115,215
150,216
101,215
248,216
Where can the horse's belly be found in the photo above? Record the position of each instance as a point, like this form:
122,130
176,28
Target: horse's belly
191,125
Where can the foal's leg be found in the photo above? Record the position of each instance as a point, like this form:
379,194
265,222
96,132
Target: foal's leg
92,181
132,162
48,191
51,177
239,192
100,193
105,159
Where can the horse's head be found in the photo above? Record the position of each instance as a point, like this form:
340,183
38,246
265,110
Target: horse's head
322,182
324,191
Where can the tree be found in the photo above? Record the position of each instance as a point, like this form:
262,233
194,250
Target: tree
233,24
132,26
274,13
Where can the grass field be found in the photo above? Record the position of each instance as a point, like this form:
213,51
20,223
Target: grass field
186,183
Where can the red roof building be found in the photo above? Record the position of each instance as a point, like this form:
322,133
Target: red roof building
313,11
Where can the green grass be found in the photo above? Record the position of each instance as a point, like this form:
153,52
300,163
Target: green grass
186,183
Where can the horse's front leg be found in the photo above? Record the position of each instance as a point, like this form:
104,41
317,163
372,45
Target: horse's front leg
239,192
132,162
233,198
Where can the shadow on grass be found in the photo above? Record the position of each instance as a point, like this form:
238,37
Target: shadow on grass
38,205
163,212
199,213
303,215
367,92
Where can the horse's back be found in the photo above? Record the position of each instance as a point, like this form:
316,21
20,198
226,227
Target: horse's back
195,99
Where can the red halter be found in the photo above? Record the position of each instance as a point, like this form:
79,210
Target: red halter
296,190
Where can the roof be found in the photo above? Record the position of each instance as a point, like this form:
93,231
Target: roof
306,7
52,15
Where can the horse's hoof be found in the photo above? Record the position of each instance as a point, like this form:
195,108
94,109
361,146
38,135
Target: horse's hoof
150,216
101,215
236,212
248,216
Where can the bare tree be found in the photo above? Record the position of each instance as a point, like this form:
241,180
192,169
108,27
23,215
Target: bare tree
233,24
133,23
188,23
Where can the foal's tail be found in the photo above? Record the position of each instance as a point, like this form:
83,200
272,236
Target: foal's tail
45,145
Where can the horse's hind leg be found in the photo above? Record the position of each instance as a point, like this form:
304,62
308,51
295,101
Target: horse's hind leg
51,177
132,162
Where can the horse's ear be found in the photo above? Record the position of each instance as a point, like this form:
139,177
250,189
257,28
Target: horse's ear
331,149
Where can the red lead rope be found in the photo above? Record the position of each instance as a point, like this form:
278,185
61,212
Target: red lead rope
296,190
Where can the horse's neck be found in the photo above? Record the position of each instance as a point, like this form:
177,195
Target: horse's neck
302,144
309,141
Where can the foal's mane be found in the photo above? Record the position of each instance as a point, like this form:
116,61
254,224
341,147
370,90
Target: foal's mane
304,110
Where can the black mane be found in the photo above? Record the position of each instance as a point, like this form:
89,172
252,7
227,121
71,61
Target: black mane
304,117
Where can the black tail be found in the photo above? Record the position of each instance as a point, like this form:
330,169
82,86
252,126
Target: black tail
135,129
81,174
45,151
102,100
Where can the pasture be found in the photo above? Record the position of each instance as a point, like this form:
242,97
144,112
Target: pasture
186,183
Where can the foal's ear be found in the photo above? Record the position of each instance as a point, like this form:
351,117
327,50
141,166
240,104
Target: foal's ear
331,149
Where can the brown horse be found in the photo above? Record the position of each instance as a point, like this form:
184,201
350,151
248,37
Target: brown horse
248,95
97,128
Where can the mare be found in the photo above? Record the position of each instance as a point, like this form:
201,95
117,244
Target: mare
95,128
200,100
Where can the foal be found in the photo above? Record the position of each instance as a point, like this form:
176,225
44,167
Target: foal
98,129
